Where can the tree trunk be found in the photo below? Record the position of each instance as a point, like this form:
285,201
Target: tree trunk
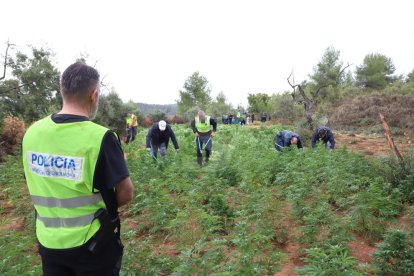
309,109
390,141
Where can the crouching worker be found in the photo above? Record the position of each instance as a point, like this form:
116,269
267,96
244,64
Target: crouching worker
286,138
158,137
77,178
325,135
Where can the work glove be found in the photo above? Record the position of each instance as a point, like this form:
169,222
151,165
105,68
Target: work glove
177,150
148,150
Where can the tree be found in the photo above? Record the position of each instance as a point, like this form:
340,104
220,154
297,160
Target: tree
326,72
410,77
111,112
33,90
258,103
219,106
375,72
309,95
284,109
158,115
196,93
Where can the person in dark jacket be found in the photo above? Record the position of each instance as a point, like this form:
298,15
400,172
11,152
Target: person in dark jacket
324,134
286,138
158,137
201,126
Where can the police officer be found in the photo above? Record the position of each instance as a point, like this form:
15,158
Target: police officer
286,138
77,179
201,126
158,137
324,134
131,127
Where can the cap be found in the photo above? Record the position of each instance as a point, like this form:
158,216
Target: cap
162,125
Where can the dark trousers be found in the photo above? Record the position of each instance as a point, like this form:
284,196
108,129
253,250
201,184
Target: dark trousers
132,132
162,147
80,261
203,141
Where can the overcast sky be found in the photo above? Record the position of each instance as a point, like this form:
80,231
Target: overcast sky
147,49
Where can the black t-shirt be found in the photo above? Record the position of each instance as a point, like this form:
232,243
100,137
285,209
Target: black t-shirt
110,167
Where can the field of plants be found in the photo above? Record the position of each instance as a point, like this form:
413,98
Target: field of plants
249,211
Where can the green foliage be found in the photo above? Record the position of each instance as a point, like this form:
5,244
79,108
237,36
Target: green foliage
285,109
410,77
32,92
196,93
375,72
219,106
401,176
158,115
327,73
111,111
395,255
330,260
237,214
17,236
258,103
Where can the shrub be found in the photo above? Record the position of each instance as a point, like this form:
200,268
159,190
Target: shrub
363,110
176,120
332,260
395,255
12,135
148,121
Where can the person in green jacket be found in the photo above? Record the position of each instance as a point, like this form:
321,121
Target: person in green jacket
77,178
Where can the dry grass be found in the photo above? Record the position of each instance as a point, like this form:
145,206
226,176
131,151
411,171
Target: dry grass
363,111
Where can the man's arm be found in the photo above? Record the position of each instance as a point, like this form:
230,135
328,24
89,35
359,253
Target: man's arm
111,174
299,143
279,142
331,139
173,139
148,142
124,191
213,123
315,137
193,126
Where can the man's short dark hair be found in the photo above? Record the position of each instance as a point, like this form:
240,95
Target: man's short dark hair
78,79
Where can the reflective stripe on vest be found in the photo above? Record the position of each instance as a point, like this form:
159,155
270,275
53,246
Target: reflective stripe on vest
202,127
67,222
66,202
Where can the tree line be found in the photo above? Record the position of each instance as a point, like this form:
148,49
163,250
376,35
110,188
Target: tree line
29,89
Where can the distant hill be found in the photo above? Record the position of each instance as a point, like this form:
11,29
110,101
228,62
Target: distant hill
146,109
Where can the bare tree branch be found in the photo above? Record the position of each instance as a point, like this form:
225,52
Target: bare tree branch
5,60
390,141
104,84
294,86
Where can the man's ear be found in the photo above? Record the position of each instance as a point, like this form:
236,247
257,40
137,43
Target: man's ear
95,95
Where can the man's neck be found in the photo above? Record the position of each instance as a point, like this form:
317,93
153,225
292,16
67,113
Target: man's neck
74,111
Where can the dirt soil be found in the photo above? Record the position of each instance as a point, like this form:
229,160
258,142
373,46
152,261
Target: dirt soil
372,144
